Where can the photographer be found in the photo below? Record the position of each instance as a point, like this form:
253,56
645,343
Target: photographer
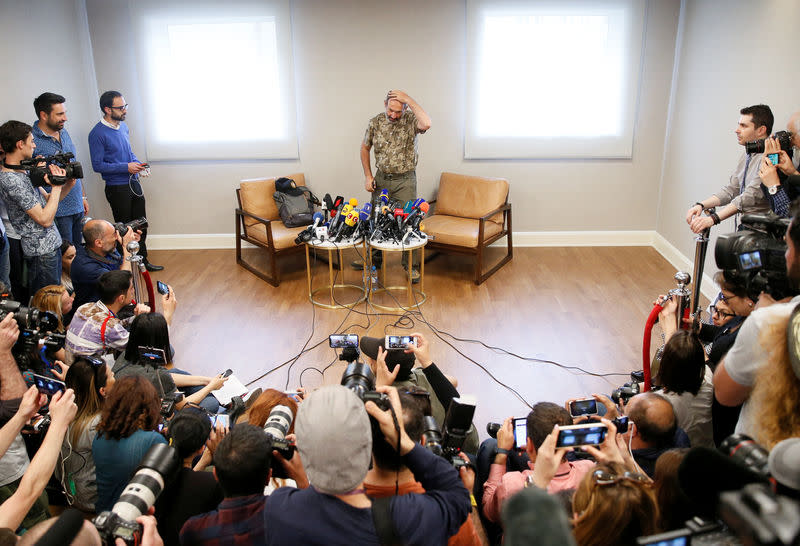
736,374
189,493
781,189
388,476
30,490
30,212
502,484
334,439
743,192
398,370
98,255
51,138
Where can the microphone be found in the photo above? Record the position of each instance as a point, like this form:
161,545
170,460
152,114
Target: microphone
349,225
384,197
308,233
365,219
408,207
704,473
64,530
413,220
353,202
338,222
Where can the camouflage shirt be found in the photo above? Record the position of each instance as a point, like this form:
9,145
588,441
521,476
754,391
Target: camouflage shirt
395,142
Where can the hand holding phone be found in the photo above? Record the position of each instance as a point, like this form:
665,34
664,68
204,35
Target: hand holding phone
162,288
520,433
590,434
399,342
343,341
583,406
47,385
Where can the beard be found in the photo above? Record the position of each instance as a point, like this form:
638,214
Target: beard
118,117
55,126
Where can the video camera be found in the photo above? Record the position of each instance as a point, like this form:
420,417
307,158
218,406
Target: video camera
457,422
753,257
158,466
277,426
784,139
37,171
34,325
155,357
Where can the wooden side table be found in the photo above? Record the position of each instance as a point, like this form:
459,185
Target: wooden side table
414,296
331,287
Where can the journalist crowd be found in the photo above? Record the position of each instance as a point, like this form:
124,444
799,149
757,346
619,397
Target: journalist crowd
106,440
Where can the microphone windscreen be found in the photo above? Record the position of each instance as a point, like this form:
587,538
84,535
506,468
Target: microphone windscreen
354,202
424,207
704,473
318,216
384,196
64,530
363,215
328,201
367,208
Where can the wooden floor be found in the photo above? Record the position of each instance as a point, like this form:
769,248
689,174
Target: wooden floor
580,307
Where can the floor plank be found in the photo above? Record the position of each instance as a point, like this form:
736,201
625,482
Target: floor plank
583,307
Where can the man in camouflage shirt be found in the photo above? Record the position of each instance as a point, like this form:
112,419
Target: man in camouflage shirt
393,134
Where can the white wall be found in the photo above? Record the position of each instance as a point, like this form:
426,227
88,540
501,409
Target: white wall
46,46
348,53
734,53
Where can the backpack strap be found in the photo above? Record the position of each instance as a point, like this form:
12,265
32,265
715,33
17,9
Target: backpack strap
384,526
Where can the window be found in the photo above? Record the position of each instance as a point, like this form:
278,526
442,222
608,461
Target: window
216,79
552,79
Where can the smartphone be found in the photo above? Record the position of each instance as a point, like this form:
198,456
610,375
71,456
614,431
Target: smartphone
227,372
590,434
47,385
152,356
399,342
681,537
585,406
520,432
222,418
773,158
162,288
343,341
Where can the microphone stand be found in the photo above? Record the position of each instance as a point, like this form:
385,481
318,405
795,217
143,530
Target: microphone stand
137,267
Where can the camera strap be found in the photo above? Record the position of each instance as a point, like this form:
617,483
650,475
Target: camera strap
384,526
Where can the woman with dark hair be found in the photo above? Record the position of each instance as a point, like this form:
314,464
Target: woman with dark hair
614,506
151,330
674,506
689,385
92,380
67,255
126,432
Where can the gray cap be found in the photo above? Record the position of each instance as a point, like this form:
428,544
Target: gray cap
334,439
532,516
784,463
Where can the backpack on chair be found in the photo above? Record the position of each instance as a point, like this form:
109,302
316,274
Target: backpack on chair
295,203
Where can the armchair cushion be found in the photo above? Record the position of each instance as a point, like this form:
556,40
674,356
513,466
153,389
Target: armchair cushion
256,197
451,230
470,196
282,236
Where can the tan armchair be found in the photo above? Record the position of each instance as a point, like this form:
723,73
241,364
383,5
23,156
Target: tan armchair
258,223
471,212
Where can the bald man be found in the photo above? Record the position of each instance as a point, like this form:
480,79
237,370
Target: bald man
781,189
98,255
653,429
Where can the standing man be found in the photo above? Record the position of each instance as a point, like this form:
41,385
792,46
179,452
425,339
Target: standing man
51,138
30,210
394,135
113,158
743,192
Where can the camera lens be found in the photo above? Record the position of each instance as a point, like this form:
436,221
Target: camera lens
359,378
278,422
745,450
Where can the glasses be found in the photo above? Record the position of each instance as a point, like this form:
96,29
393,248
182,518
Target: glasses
717,311
603,477
123,107
727,299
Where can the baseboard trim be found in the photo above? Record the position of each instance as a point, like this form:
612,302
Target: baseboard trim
202,241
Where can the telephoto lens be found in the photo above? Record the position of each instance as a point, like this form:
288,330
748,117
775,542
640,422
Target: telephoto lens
745,450
278,422
432,435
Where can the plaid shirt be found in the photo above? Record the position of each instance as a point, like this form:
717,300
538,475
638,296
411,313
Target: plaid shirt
237,520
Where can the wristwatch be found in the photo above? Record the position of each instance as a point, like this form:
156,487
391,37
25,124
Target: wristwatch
773,189
501,451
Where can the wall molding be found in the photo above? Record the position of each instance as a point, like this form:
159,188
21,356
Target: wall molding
649,238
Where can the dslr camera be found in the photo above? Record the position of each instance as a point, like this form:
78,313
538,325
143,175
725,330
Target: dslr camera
37,171
138,223
277,426
754,256
158,466
628,390
784,139
358,377
449,443
34,325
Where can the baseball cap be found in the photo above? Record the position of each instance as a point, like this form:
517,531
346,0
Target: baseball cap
784,463
334,439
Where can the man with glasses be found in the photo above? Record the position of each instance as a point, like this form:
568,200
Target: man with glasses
114,160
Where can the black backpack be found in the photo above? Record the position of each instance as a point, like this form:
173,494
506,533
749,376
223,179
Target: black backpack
295,203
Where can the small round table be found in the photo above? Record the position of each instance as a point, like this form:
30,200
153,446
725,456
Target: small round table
414,297
330,287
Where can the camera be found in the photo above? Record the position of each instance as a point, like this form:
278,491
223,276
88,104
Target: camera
753,257
37,171
28,317
759,516
276,428
743,449
157,467
757,146
449,442
34,326
138,223
358,377
625,392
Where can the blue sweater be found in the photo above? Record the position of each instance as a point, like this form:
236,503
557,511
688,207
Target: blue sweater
111,152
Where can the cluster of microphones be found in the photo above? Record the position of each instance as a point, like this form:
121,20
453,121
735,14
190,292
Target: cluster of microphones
389,221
